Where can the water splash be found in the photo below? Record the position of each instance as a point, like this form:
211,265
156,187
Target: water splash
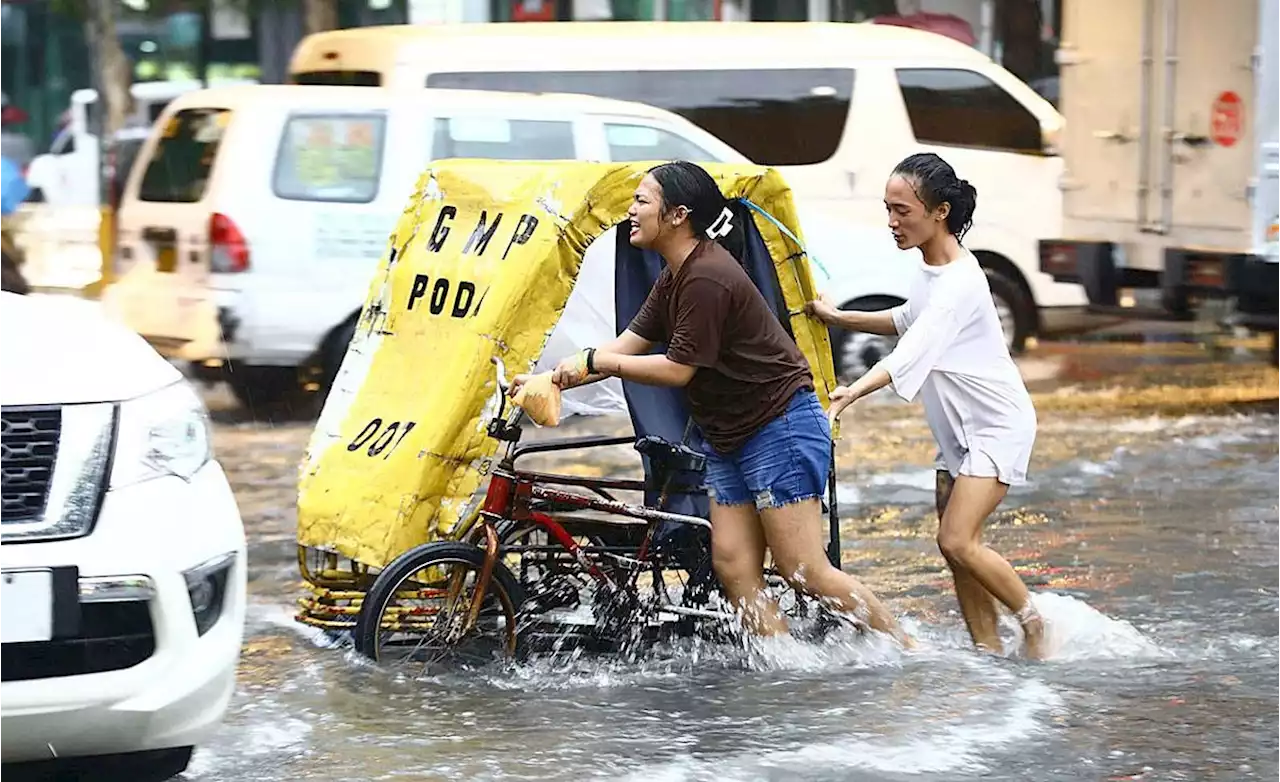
1078,631
274,735
575,669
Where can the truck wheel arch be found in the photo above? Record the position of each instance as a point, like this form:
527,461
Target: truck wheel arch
998,265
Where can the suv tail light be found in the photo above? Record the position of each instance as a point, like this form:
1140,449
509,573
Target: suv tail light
228,251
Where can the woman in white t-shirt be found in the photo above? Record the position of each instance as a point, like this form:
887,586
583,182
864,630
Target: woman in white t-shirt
952,353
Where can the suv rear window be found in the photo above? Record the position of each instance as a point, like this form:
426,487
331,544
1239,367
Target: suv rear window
182,160
330,157
774,116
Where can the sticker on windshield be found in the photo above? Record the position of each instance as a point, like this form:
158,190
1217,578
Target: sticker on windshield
330,158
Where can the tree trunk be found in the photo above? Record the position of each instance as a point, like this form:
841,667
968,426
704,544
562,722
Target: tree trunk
115,73
319,15
114,80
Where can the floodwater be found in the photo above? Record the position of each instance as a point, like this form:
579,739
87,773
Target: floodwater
1148,534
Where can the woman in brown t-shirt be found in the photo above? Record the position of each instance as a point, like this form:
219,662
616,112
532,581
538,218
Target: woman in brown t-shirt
749,390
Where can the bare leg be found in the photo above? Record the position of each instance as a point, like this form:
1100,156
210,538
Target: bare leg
959,537
794,533
737,554
977,605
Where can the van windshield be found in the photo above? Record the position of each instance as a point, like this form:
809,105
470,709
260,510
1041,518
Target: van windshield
330,157
182,162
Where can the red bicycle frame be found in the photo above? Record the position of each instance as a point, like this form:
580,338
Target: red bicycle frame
512,493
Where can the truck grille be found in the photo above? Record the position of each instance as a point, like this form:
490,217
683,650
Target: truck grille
28,448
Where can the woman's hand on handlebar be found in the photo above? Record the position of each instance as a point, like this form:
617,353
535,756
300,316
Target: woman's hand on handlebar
516,383
571,371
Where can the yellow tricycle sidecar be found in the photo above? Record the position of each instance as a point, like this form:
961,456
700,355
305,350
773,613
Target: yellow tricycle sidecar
481,264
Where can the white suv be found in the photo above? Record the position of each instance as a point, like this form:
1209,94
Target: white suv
123,552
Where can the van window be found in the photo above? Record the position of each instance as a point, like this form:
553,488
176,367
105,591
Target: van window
339,78
628,143
330,157
496,138
966,109
182,160
776,117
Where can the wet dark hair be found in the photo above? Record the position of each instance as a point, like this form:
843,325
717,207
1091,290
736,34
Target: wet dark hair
689,185
934,182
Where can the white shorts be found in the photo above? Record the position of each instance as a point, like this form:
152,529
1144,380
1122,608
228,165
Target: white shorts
975,464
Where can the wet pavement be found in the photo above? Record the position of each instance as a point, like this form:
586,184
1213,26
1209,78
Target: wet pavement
1148,533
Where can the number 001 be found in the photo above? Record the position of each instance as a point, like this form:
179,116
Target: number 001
381,437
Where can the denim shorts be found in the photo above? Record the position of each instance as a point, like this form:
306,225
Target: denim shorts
788,460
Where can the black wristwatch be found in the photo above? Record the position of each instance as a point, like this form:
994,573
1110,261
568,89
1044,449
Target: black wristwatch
591,361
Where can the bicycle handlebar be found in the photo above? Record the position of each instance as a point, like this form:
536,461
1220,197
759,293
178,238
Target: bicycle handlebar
503,385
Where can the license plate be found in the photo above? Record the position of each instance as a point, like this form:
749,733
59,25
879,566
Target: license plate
26,606
166,259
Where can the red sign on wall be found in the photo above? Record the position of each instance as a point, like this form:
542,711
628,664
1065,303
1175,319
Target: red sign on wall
1226,122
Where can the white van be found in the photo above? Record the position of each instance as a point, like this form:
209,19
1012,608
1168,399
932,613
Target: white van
255,216
61,227
833,105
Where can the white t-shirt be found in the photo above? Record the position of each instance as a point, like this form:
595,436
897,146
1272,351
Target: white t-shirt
953,354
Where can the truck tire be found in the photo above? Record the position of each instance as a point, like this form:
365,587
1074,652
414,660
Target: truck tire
335,350
1016,311
267,392
854,352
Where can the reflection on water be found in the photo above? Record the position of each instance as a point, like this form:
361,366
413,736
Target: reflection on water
1150,541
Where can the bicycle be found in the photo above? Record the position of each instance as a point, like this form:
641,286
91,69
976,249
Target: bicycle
646,580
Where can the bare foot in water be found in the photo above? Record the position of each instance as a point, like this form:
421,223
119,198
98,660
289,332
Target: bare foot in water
1035,639
1034,636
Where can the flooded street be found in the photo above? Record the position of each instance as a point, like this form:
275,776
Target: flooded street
1148,533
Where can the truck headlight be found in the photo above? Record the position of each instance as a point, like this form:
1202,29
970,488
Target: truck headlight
207,588
163,433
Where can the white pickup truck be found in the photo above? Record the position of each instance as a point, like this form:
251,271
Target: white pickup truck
1171,159
123,565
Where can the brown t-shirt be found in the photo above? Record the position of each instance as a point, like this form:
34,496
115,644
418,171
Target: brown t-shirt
711,316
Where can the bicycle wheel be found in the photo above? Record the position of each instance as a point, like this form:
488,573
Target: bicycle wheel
415,617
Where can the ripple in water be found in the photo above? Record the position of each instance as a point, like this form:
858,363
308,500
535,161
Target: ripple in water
964,743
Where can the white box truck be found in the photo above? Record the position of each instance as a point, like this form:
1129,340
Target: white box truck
1170,184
